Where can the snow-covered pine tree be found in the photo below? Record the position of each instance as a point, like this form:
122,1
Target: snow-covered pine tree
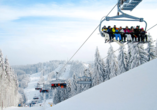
67,90
139,55
9,95
122,57
57,97
129,60
111,63
99,69
74,88
151,49
156,48
1,61
88,74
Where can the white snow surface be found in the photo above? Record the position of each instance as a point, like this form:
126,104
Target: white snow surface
65,74
132,90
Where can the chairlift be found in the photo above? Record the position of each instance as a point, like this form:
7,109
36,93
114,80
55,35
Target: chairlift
84,80
58,83
44,91
38,88
35,98
123,5
33,103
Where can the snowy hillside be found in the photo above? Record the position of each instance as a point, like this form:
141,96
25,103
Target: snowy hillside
132,90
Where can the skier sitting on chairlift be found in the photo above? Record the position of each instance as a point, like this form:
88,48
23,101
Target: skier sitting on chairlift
110,33
123,37
117,34
114,29
107,37
127,33
133,34
143,35
137,33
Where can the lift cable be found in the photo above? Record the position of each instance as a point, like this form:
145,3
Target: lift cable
85,41
152,27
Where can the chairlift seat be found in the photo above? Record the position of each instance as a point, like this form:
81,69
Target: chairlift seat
44,91
37,88
35,98
33,103
62,85
82,80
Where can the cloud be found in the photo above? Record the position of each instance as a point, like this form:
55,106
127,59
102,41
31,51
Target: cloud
52,10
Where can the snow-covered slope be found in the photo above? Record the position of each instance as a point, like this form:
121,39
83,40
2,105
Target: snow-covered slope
65,74
133,90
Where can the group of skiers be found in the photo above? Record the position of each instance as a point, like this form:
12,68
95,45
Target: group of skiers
124,34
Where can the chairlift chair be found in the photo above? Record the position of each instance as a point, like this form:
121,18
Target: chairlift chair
58,83
38,88
82,80
44,91
35,98
33,103
123,5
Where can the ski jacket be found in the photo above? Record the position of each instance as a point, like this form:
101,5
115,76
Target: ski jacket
113,30
143,33
109,31
127,31
137,31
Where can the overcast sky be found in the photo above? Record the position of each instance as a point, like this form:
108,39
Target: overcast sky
33,31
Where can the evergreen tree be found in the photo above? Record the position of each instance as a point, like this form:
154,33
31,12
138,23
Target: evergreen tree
111,63
122,61
7,67
151,50
139,55
156,48
99,69
129,60
74,85
57,97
